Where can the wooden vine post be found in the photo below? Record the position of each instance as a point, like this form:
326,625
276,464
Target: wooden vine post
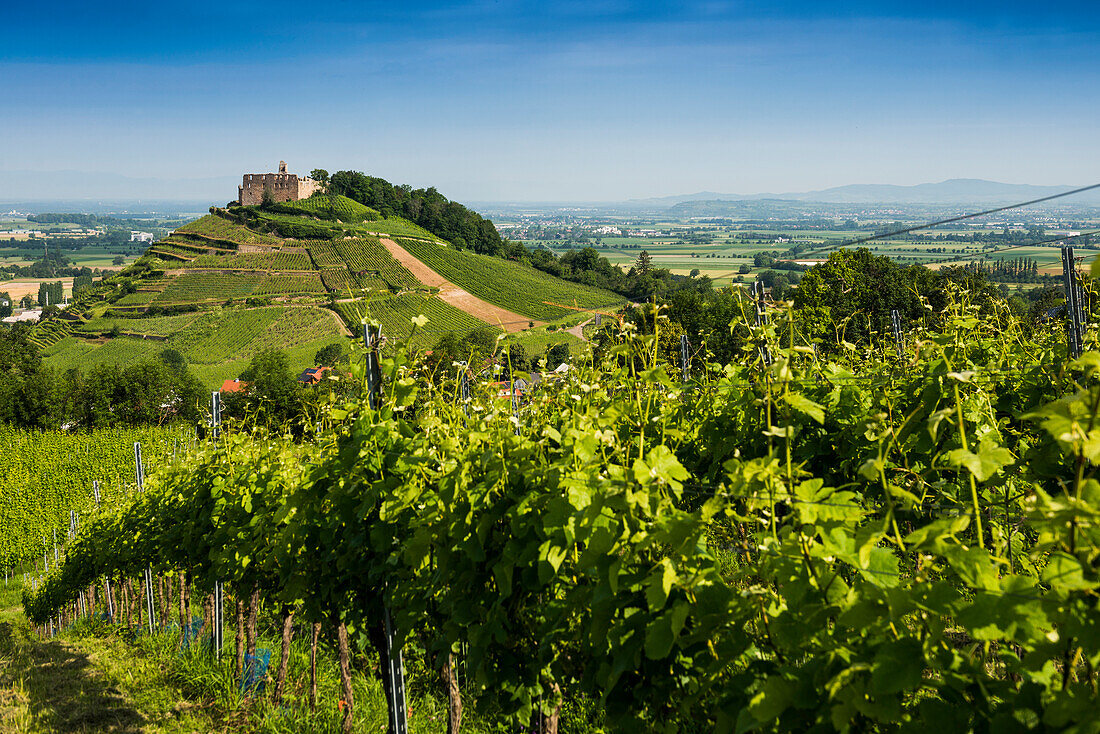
899,339
218,597
761,320
150,604
685,356
393,667
1075,316
108,598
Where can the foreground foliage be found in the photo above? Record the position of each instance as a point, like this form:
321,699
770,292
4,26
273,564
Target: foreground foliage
876,543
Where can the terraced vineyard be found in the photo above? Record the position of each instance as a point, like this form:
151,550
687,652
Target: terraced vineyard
207,286
396,313
508,284
323,253
289,283
168,248
276,260
140,298
339,280
367,253
221,229
156,326
398,227
203,286
239,334
339,208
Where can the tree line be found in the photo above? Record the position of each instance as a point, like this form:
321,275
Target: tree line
462,227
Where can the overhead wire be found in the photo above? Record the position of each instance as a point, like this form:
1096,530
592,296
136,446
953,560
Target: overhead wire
959,218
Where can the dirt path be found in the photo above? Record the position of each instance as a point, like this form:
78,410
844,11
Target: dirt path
578,330
452,294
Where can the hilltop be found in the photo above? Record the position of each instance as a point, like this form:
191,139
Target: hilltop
301,275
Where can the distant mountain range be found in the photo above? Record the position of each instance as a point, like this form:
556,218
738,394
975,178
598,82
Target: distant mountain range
952,191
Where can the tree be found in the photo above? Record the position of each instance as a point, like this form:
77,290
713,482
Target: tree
518,360
556,355
118,260
763,260
321,176
174,359
643,263
273,397
329,355
481,342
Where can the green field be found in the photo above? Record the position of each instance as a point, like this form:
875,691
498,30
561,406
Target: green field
508,284
216,344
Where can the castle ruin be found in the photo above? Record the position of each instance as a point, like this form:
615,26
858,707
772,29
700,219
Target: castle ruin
282,185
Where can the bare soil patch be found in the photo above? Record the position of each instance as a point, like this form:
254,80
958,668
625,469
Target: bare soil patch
452,294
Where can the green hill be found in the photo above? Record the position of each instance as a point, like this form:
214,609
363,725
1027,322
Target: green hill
295,276
334,208
514,286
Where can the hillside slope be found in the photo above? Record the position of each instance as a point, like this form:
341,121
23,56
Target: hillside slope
512,285
298,276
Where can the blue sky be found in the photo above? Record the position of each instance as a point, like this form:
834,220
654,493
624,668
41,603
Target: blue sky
596,100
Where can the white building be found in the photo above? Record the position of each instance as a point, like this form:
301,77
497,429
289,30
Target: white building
30,314
141,236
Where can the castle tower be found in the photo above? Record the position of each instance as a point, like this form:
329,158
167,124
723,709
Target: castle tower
282,166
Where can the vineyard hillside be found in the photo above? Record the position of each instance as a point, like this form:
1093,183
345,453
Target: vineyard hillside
298,276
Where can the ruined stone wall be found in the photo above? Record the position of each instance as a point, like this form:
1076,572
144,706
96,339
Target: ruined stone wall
283,186
307,187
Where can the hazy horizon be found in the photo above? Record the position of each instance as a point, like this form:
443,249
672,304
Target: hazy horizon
594,101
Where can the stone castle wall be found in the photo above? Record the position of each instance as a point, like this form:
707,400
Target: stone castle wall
307,187
283,186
